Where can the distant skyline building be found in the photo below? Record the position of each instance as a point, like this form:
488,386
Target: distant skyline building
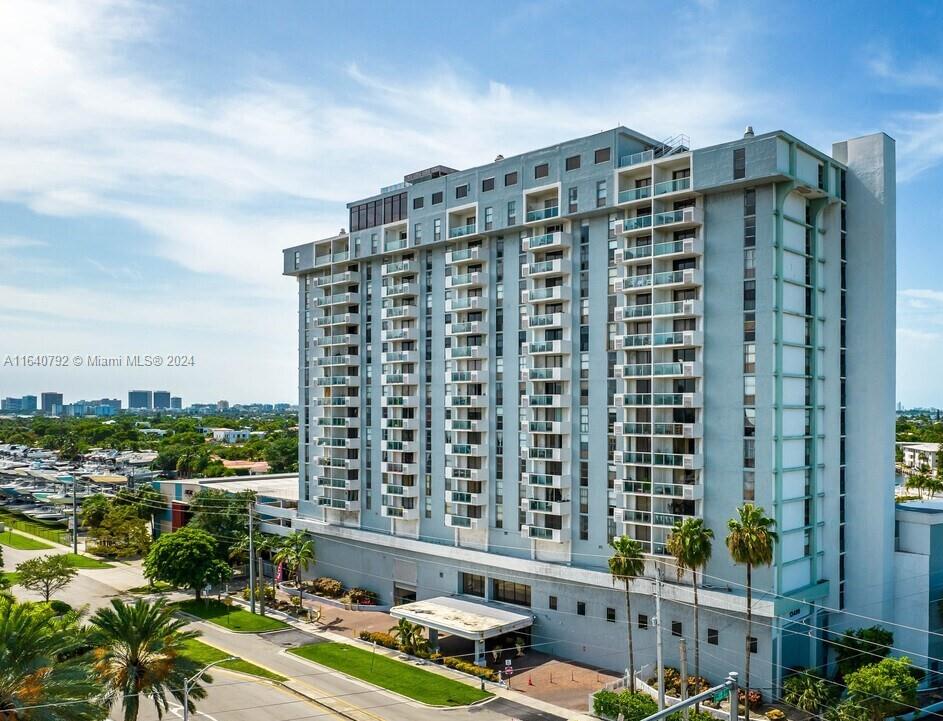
140,400
51,402
176,403
28,404
222,405
161,400
11,405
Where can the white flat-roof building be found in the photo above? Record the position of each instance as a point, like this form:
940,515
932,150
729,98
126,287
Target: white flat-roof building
922,456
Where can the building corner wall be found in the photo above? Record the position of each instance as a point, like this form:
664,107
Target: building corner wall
870,377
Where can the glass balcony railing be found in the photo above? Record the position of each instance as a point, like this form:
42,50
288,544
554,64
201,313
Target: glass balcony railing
637,281
459,521
666,519
639,221
539,533
633,516
668,459
543,214
668,399
635,457
461,497
636,251
636,369
626,196
646,156
461,230
546,346
637,399
541,426
669,369
672,246
538,241
672,186
668,277
669,429
670,308
633,341
544,400
461,424
676,338
397,244
636,311
543,266
676,490
637,428
463,449
543,454
672,216
541,374
536,479
544,293
464,351
535,504
464,254
539,321
636,486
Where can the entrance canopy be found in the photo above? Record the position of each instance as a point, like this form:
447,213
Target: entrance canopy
467,619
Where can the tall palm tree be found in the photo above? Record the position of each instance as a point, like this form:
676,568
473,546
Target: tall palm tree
627,562
40,654
138,651
296,551
690,543
409,635
239,553
750,542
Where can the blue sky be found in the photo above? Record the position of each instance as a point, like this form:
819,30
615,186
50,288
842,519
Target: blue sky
155,157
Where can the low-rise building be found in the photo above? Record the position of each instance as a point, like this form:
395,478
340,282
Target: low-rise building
922,456
230,435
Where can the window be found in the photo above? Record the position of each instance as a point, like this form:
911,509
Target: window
489,218
437,229
487,184
297,259
676,628
461,191
418,202
611,615
573,162
377,212
600,193
552,603
753,644
512,212
510,178
573,198
581,608
713,636
437,197
417,233
510,592
739,163
542,170
642,621
601,155
473,585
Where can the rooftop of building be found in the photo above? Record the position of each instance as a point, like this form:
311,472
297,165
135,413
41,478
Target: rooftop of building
924,447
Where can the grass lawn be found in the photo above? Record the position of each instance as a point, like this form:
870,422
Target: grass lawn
78,561
235,618
388,673
21,542
157,587
205,654
12,577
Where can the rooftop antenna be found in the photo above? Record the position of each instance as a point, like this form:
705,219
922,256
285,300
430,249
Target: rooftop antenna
748,133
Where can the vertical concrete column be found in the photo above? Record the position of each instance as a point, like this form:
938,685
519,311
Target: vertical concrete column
480,652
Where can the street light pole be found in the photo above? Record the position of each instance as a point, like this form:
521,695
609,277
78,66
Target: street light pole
188,683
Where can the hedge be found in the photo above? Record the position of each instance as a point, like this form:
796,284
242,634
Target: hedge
636,706
470,668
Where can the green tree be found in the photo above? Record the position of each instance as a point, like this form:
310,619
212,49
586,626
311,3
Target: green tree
750,542
409,636
43,666
225,516
860,647
121,533
627,562
883,689
94,510
808,692
690,543
187,559
282,455
296,551
239,553
45,575
148,503
139,651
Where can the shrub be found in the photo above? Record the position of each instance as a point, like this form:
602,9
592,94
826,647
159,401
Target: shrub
267,593
327,587
361,596
632,706
756,698
59,608
774,714
380,638
470,668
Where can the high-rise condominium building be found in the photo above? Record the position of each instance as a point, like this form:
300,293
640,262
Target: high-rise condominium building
161,400
51,403
502,368
140,400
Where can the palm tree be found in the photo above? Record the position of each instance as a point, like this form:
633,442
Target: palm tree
690,543
627,562
139,650
750,542
239,553
807,691
40,654
296,551
409,636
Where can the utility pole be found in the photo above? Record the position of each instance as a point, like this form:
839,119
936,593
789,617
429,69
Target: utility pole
683,651
659,658
251,561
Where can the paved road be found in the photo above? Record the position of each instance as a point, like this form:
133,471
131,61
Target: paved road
238,698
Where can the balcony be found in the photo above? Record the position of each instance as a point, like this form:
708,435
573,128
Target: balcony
629,428
546,295
632,195
466,474
542,214
678,430
629,312
470,303
399,312
349,443
545,454
643,158
543,480
350,277
393,244
468,425
634,283
394,468
683,218
405,514
547,400
394,489
326,258
463,230
547,320
630,515
465,255
677,400
476,376
340,319
537,505
685,246
459,401
547,241
634,370
402,424
348,381
687,369
690,462
329,462
395,401
401,379
543,268
679,307
465,449
338,299
632,458
402,267
343,422
396,334
454,521
685,491
546,374
635,224
539,533
632,486
667,519
633,399
472,327
337,339
465,498
339,360
545,347
638,340
633,253
677,185
400,290
339,504
466,351
336,482
401,356
338,401
686,277
679,338
554,427
466,280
